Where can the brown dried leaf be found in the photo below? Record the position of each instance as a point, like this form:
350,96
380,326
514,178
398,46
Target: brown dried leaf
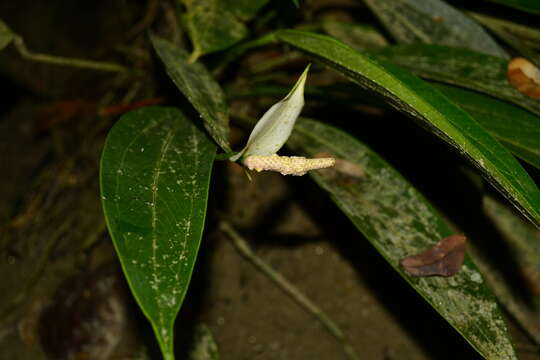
524,77
443,259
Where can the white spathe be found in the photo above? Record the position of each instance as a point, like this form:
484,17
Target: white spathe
275,127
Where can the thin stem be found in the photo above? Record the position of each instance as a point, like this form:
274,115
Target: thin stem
59,60
242,246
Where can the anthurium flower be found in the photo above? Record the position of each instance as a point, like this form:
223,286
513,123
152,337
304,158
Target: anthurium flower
275,127
272,131
287,165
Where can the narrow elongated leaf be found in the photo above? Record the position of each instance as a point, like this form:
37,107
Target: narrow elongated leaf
515,128
418,99
461,67
155,172
6,35
399,222
433,22
530,6
212,25
199,87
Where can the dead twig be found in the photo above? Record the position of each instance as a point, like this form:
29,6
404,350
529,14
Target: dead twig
242,246
19,44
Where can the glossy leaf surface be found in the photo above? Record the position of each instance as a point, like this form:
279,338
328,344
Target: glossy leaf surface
155,173
199,87
399,222
418,99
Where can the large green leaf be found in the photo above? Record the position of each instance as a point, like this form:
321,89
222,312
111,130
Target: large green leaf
155,173
515,128
212,25
461,67
399,222
433,22
423,102
530,6
199,87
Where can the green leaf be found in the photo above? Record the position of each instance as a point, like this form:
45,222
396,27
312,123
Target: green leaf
6,35
424,103
296,3
515,128
199,87
212,25
530,6
155,173
433,22
359,37
205,347
461,67
399,222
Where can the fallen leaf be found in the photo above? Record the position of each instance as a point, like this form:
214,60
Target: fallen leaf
524,77
443,259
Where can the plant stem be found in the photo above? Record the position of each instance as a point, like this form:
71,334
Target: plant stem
59,60
242,246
